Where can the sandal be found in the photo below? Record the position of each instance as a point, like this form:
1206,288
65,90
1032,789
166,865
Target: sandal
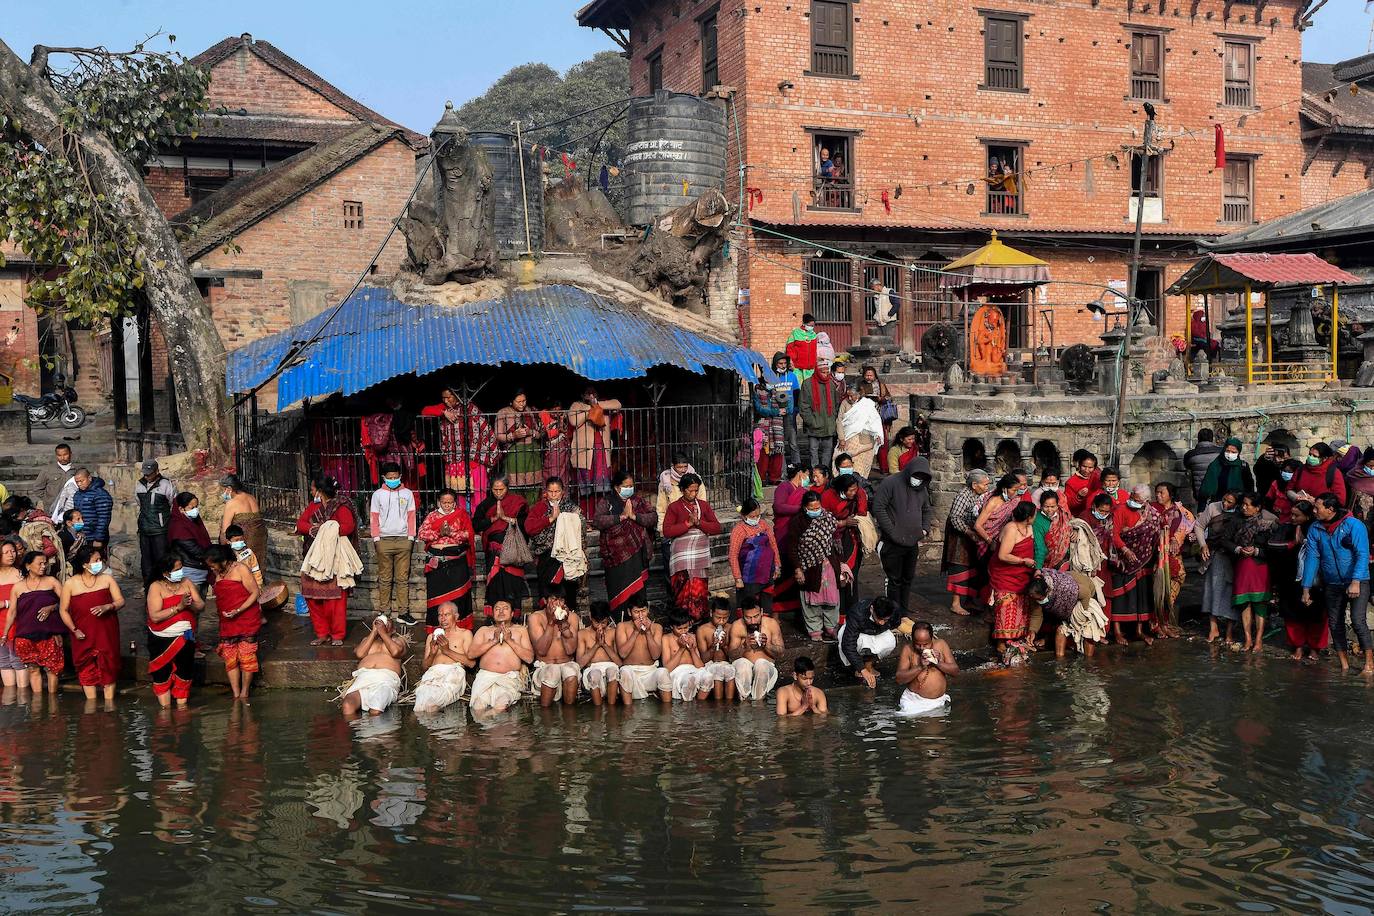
336,642
318,642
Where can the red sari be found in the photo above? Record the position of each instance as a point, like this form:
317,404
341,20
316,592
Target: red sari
97,656
1076,490
1009,583
327,602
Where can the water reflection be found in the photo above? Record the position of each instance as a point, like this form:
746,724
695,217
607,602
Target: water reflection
1185,781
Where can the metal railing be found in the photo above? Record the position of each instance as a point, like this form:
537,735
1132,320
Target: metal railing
278,454
1278,373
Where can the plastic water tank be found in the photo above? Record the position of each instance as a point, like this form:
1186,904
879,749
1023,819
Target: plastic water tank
510,215
672,138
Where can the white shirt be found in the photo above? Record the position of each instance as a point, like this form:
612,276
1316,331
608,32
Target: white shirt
393,509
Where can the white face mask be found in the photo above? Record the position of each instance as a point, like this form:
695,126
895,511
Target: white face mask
916,481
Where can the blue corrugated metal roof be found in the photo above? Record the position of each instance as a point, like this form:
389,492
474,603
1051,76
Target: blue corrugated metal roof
376,336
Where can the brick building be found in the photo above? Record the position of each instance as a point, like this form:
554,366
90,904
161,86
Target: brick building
914,105
1338,129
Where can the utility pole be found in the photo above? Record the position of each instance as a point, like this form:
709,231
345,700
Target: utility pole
1124,360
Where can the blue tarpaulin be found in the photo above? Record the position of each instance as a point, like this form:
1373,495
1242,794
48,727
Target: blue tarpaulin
375,337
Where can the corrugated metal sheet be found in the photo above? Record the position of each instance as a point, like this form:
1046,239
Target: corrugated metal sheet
1346,216
375,337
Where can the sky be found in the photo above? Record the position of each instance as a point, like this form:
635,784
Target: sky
407,57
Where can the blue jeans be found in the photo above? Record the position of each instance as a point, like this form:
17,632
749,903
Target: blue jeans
1337,603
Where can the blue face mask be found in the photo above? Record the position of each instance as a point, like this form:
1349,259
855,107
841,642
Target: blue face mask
238,545
96,568
176,575
814,513
1286,475
627,492
77,526
843,471
752,521
193,512
1135,503
1101,516
1224,509
224,496
392,484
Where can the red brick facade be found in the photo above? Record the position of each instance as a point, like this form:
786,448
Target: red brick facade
920,129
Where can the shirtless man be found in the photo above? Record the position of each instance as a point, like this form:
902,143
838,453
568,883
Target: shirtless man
553,630
639,643
921,670
713,642
446,662
755,646
377,681
682,677
597,658
502,650
941,655
799,697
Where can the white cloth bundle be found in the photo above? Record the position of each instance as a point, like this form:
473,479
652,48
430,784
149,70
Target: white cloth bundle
332,557
567,545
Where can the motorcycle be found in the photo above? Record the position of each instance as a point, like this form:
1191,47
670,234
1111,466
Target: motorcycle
57,406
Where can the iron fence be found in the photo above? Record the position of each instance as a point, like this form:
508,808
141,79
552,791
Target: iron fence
279,453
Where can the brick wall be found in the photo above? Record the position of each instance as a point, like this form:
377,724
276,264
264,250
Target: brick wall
1328,176
242,80
18,333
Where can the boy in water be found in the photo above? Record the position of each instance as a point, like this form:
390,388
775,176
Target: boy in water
799,698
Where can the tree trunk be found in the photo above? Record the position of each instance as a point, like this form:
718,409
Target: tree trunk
194,349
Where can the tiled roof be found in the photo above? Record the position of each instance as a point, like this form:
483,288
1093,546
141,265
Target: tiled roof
232,127
1344,216
277,59
1329,102
1285,269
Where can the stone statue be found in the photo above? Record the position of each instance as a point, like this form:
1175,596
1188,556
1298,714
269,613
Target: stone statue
1201,369
988,341
954,377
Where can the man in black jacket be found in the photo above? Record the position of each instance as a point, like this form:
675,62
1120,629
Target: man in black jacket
867,637
155,494
1199,458
902,511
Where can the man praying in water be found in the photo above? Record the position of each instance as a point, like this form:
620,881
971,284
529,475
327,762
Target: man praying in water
553,630
713,642
377,681
755,647
502,650
639,643
799,698
597,658
921,670
682,677
446,662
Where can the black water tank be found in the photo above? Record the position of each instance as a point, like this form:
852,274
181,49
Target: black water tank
510,215
672,137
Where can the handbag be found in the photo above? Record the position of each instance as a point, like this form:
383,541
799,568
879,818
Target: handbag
515,550
888,412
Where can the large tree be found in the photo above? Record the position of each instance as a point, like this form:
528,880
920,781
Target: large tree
76,127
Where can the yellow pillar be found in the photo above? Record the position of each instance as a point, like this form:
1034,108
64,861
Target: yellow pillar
1249,343
1335,337
1268,339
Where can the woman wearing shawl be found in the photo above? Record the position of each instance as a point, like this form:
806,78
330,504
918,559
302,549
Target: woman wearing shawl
1010,567
903,449
518,432
541,524
1176,523
1244,537
1348,457
1136,543
860,431
450,560
754,557
466,442
847,502
1217,587
1277,500
1051,528
591,442
996,512
787,508
959,555
328,603
1306,624
812,562
770,415
689,523
491,521
1359,485
1227,472
1102,520
557,441
186,534
1081,484
1320,474
626,521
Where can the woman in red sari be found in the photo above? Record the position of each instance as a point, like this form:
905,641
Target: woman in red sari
92,599
689,523
1081,484
173,603
1136,543
451,558
11,668
1010,569
240,618
328,602
848,502
467,452
492,520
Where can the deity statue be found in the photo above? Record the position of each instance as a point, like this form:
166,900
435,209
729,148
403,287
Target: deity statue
988,341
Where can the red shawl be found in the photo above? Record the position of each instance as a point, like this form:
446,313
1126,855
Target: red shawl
816,388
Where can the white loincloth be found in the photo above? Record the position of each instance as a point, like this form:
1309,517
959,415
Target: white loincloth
377,688
491,690
599,675
440,687
753,679
913,704
880,644
640,680
719,672
553,676
687,680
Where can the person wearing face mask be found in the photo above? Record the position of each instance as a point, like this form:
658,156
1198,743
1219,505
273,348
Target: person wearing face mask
241,508
903,511
855,533
1276,497
326,598
154,494
1111,486
801,348
173,603
1049,483
1051,527
754,557
1075,602
188,537
1319,475
392,527
244,553
627,523
816,568
1218,566
1359,484
1228,471
1132,564
786,392
92,599
1305,624
72,534
1176,525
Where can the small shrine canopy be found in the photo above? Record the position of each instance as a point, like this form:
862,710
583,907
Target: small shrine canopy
994,269
1233,273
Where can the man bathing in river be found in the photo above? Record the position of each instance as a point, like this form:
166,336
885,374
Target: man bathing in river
713,642
597,657
553,631
639,643
800,698
683,677
446,662
377,681
502,650
755,646
921,670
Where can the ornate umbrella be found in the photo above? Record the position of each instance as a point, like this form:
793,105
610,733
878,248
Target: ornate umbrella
993,270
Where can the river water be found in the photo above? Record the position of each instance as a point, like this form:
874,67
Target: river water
1161,780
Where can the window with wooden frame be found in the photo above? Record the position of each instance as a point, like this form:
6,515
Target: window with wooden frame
1003,57
1238,190
710,58
1005,182
655,65
1147,65
353,214
832,38
1238,70
832,171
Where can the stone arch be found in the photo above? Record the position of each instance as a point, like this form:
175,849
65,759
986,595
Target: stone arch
1008,456
1045,457
975,455
1155,462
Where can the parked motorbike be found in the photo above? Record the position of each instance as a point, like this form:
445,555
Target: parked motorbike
55,407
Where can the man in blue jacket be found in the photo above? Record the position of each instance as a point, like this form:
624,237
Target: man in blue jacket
95,504
1338,549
